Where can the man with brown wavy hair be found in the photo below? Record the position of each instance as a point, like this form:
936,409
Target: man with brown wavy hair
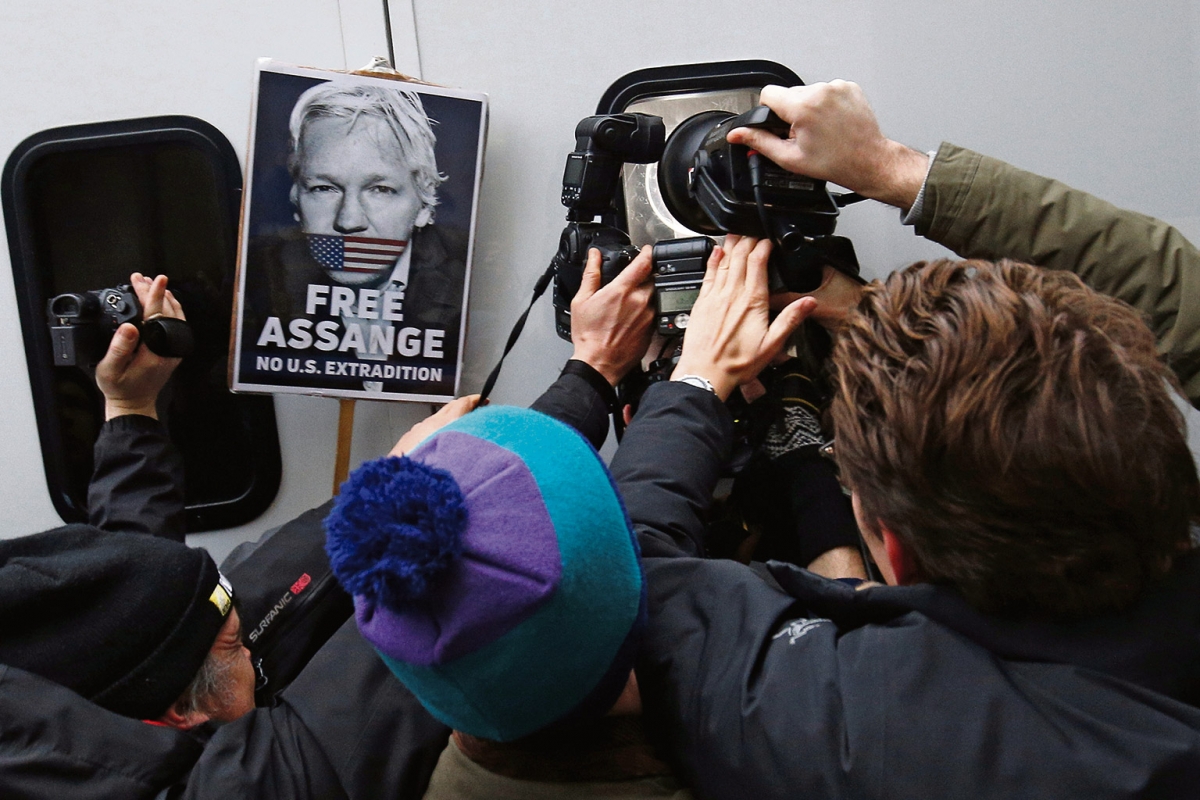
1010,432
1020,473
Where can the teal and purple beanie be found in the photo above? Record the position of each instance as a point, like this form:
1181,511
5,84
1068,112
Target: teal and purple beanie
495,571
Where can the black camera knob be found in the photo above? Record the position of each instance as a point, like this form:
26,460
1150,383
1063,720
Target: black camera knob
116,302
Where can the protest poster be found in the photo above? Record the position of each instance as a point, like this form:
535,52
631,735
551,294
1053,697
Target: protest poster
357,234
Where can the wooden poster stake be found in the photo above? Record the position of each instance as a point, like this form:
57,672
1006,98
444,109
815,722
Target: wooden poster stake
341,464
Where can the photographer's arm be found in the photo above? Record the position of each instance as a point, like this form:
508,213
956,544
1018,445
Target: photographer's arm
137,481
610,327
713,659
670,460
980,207
835,137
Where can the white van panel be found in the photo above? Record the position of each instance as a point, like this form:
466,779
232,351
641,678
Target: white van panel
1103,95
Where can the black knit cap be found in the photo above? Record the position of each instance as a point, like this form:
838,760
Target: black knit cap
123,619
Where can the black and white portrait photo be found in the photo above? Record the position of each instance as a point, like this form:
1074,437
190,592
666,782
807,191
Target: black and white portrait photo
357,235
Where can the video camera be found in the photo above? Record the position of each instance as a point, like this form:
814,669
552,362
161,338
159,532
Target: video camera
82,325
710,186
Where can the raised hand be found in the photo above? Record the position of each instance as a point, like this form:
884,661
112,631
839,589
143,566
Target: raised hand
730,337
835,137
130,376
430,425
611,325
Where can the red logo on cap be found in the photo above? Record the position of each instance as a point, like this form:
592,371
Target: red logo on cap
298,586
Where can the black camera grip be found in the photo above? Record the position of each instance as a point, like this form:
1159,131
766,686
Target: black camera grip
765,118
168,337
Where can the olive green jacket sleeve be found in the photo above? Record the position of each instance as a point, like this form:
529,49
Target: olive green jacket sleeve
983,208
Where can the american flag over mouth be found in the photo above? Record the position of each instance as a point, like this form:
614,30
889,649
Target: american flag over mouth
354,253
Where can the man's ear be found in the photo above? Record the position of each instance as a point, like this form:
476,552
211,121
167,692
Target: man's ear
904,567
424,217
184,722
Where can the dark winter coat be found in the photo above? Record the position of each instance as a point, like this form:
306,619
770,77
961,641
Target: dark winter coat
980,207
779,683
345,728
54,743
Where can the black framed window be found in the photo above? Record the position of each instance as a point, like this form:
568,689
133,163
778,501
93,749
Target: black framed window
84,207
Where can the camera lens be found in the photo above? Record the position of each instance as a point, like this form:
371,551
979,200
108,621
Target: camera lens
792,240
675,168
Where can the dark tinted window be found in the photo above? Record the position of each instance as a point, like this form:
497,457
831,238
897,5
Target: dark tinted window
87,205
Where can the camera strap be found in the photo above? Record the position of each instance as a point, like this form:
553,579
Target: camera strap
572,367
538,290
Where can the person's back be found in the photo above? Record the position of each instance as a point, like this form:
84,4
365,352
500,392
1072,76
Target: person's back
1021,476
1010,439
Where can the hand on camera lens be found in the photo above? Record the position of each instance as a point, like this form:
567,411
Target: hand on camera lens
611,325
835,137
130,376
730,337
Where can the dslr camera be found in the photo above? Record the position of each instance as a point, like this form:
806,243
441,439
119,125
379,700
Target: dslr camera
603,144
710,186
82,325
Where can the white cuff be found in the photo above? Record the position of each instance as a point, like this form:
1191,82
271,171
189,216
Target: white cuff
911,216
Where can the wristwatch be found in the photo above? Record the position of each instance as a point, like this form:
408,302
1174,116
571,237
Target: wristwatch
697,381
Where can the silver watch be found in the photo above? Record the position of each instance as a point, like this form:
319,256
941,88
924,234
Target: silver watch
697,381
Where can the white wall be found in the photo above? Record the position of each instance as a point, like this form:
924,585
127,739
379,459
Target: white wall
73,61
1102,94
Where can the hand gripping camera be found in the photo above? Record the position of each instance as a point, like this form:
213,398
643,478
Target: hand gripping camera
82,325
602,145
709,185
715,187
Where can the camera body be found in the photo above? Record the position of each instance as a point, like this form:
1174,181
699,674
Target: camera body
82,325
679,266
603,143
707,184
577,238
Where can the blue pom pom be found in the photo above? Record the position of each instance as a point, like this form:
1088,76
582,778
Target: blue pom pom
395,527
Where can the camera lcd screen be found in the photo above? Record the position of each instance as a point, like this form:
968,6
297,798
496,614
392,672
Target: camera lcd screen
681,300
574,170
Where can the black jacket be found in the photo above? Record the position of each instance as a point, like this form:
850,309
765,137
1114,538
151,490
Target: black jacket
345,728
55,744
779,683
137,481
